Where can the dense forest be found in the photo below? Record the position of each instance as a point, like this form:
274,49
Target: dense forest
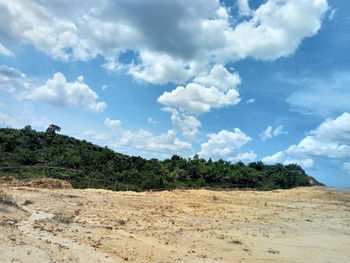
26,153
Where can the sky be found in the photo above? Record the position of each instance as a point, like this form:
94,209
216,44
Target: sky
239,80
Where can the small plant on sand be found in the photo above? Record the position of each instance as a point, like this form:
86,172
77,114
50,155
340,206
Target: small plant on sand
62,218
28,202
6,199
215,198
121,222
237,242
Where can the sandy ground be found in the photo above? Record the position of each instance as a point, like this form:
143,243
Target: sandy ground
298,225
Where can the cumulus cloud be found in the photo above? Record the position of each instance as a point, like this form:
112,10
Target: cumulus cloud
269,133
187,124
98,136
245,157
112,123
226,145
12,79
334,130
275,158
213,90
305,163
147,142
5,51
243,8
140,141
331,139
57,91
186,37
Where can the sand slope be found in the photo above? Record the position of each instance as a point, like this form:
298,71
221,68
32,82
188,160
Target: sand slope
298,225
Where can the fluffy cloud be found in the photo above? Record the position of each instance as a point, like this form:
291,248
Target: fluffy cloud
5,51
275,158
185,37
280,157
245,157
331,139
305,163
269,132
188,125
337,130
12,79
112,123
98,136
213,90
141,140
57,91
243,8
226,145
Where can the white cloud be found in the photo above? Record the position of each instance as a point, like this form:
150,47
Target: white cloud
331,140
311,146
334,130
331,13
304,163
188,125
251,100
142,140
12,79
269,132
112,123
104,87
99,136
245,157
243,8
185,37
275,158
152,121
213,90
5,51
57,91
225,145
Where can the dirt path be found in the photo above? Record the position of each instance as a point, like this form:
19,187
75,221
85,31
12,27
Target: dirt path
81,252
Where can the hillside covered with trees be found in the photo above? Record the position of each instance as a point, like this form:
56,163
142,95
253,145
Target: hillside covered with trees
26,153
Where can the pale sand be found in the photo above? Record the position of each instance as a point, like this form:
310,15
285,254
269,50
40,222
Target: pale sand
298,225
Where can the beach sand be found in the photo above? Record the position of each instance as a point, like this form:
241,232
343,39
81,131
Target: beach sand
308,224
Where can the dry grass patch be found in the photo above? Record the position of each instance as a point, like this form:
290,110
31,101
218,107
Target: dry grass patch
63,218
6,199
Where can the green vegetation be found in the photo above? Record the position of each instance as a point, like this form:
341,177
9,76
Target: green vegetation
26,153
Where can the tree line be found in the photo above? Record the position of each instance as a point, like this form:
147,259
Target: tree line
89,165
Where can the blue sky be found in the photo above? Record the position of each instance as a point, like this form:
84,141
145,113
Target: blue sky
238,80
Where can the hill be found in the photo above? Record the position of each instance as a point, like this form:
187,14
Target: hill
26,153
